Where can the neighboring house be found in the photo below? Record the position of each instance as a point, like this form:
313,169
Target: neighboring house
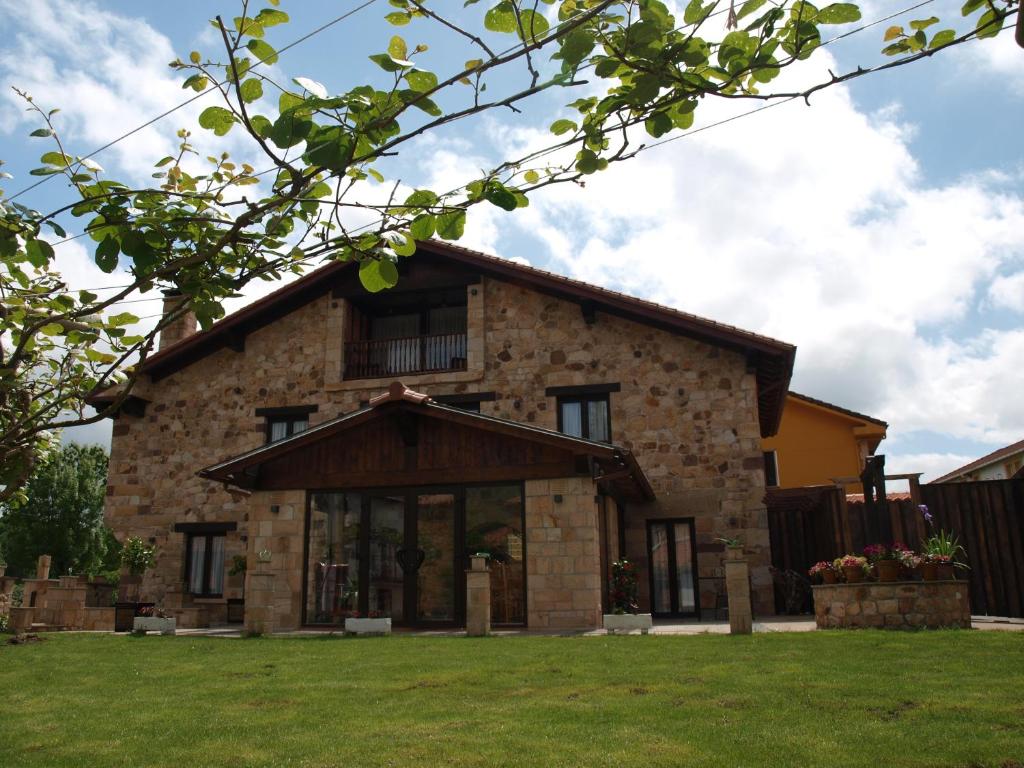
1006,463
818,442
566,426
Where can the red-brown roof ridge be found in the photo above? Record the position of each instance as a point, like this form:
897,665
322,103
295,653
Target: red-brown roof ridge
997,454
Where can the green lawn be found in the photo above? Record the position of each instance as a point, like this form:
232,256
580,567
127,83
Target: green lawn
816,699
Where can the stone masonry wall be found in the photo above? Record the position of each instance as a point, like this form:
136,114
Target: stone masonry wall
686,409
563,561
898,605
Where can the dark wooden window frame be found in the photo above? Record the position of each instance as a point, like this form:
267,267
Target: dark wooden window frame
460,564
208,535
673,582
584,400
290,414
467,401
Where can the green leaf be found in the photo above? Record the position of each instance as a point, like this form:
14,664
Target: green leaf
397,49
41,132
401,243
122,318
268,17
421,198
658,124
106,254
263,51
251,90
451,225
501,18
39,252
498,194
52,329
378,274
532,26
329,148
55,158
989,24
386,63
261,125
924,23
197,83
531,176
289,130
944,37
749,7
562,126
398,19
421,81
694,11
217,119
892,33
577,45
838,13
422,227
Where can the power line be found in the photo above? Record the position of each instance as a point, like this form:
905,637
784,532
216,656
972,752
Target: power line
200,95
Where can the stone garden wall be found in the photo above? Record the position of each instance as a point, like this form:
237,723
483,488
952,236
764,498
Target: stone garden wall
896,605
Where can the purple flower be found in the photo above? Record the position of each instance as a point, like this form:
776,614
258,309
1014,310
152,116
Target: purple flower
927,515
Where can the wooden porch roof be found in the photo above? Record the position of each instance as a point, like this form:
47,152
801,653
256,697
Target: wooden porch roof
405,438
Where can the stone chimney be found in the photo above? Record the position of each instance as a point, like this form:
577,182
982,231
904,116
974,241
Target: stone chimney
181,327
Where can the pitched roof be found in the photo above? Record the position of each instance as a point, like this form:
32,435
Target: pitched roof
772,359
984,461
838,409
620,471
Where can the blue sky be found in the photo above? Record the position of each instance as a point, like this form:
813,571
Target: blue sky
881,229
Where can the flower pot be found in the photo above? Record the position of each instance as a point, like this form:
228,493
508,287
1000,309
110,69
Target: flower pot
929,571
829,577
734,553
627,622
154,624
368,626
888,570
854,574
946,572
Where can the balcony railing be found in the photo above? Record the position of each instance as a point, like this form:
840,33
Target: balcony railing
379,358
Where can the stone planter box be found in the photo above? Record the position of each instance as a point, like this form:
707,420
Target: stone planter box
154,624
893,605
368,626
627,622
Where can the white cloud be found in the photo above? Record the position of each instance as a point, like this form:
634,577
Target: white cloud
1007,291
932,465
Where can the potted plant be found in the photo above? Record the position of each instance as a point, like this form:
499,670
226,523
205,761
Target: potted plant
153,619
854,568
733,548
825,570
941,550
622,591
910,563
136,558
886,560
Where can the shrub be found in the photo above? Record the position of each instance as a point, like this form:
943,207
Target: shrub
137,556
623,587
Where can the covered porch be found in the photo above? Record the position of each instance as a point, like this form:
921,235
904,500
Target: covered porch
375,514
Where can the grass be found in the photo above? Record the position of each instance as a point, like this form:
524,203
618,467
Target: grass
816,699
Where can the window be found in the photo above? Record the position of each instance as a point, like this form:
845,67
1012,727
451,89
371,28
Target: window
280,427
466,401
771,469
204,566
584,411
585,416
286,421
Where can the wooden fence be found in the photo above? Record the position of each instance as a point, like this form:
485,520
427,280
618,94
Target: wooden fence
817,523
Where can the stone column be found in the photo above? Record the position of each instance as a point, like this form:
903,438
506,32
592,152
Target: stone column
43,567
478,598
737,586
259,603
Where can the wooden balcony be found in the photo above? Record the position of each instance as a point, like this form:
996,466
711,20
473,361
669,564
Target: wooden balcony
381,358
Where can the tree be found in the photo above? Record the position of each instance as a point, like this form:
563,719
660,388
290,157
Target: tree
206,232
62,516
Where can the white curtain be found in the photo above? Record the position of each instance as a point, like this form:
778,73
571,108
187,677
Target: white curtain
597,420
197,565
217,566
572,419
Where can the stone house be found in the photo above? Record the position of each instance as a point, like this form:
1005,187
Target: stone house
352,449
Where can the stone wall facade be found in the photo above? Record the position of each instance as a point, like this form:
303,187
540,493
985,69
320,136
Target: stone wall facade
896,605
686,409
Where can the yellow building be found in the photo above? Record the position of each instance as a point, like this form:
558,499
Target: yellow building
818,441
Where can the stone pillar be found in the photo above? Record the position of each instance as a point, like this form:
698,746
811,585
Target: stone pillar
43,567
259,603
737,586
478,598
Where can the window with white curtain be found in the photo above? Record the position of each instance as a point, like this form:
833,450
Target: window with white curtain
280,427
585,416
205,564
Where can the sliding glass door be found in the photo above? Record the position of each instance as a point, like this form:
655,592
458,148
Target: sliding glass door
672,561
402,554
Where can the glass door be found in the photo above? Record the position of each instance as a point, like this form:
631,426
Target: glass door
672,559
435,539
